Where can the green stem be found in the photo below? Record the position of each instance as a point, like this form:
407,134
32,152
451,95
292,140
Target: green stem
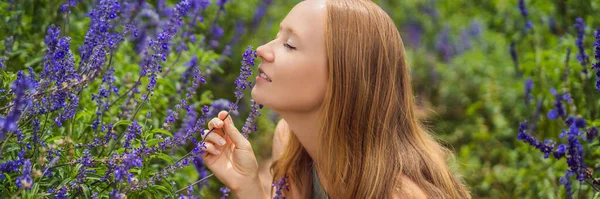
16,194
195,183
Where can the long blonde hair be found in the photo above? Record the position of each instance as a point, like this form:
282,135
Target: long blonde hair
370,134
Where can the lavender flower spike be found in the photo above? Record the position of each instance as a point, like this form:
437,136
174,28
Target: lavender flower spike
596,66
250,125
582,57
245,72
525,14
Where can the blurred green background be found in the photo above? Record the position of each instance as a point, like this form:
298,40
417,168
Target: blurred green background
469,90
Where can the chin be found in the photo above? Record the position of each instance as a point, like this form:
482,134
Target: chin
257,97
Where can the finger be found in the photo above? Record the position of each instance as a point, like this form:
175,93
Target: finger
238,139
215,123
205,132
211,149
215,138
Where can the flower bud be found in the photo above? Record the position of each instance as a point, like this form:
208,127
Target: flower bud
37,173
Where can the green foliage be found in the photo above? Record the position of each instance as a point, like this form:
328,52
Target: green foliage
473,101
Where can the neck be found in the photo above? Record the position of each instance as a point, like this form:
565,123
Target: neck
305,126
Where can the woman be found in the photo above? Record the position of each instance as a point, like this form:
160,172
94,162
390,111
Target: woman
337,75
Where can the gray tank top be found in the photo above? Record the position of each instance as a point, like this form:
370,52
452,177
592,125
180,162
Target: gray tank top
318,191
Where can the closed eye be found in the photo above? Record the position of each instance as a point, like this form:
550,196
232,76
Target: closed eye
288,46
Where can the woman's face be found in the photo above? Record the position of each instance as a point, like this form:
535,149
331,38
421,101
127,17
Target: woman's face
295,61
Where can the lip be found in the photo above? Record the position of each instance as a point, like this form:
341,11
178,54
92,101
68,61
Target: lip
260,70
261,79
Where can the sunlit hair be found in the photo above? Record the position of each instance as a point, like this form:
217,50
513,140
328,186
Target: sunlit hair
370,135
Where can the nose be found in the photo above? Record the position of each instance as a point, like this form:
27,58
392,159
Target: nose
265,53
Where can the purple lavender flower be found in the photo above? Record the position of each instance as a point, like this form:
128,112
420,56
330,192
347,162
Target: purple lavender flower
279,186
20,88
513,54
566,182
250,124
559,110
560,151
582,57
217,32
114,194
25,181
62,193
596,66
239,31
151,63
86,162
2,62
100,39
66,8
476,29
12,165
528,87
525,14
414,32
132,132
430,9
8,45
597,47
195,74
580,123
221,4
546,147
219,105
106,88
592,133
552,25
58,70
443,45
259,14
245,72
573,150
201,3
575,156
225,191
524,11
171,116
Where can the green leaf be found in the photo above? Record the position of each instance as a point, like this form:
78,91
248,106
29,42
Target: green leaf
164,157
206,97
163,189
162,131
122,122
86,190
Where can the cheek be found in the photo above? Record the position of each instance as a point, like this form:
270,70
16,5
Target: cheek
303,88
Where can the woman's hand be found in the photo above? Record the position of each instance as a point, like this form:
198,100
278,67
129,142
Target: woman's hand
230,157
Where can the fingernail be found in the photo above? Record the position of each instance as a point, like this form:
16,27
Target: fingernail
220,123
217,152
221,142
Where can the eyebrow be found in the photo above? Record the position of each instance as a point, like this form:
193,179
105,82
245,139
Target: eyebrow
289,29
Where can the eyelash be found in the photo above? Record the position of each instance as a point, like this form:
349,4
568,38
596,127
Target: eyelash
288,46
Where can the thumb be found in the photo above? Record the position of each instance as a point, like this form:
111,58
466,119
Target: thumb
229,128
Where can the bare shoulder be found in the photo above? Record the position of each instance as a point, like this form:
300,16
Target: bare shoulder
282,128
407,188
280,137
